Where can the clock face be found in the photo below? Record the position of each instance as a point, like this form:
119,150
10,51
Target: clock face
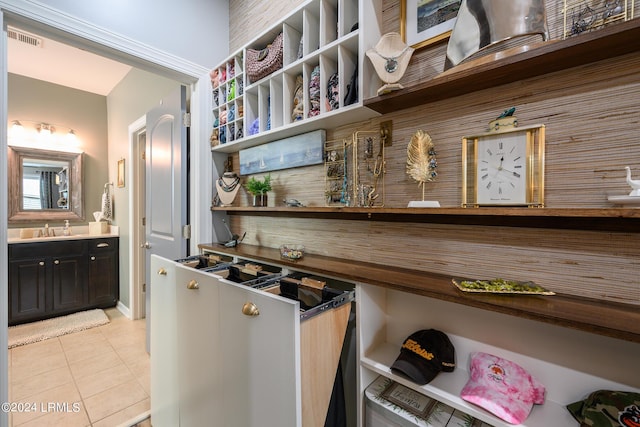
501,170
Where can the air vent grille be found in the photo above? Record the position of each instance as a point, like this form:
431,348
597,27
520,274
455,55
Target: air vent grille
23,37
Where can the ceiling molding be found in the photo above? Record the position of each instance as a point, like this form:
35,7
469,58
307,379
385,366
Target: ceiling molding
52,23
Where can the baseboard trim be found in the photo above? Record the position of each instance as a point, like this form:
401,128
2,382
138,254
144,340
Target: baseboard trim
124,309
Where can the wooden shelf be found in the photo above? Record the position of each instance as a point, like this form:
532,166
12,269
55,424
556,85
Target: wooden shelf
548,57
615,320
613,219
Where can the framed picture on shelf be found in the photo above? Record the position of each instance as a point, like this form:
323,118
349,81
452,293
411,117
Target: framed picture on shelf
425,22
120,173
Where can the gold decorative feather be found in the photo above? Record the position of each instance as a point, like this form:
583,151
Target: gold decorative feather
421,159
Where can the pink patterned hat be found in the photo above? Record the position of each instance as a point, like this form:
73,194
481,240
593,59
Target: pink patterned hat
502,387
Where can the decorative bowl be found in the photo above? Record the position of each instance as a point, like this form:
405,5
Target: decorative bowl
291,251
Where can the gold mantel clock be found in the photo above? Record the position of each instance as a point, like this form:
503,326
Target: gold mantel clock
504,168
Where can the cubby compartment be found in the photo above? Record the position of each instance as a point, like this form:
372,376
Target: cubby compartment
311,28
292,33
328,21
264,106
348,71
329,81
347,16
251,113
387,317
293,96
276,103
317,33
313,89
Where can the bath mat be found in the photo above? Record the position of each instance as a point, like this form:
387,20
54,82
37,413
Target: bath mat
28,333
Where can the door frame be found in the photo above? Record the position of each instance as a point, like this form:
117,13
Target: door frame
136,211
82,34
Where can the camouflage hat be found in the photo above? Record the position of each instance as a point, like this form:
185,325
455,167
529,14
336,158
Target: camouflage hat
605,408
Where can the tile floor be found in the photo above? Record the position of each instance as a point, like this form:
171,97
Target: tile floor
101,375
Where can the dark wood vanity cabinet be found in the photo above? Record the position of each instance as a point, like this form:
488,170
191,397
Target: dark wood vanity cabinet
68,276
103,272
53,278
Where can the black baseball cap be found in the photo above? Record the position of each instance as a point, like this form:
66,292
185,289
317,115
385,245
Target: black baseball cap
424,354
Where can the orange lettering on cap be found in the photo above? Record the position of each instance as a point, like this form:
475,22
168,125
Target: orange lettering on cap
414,347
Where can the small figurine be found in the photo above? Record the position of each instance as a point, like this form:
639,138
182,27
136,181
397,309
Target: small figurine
293,203
634,183
507,113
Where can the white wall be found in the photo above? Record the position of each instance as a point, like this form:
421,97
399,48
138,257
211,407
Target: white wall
136,94
189,29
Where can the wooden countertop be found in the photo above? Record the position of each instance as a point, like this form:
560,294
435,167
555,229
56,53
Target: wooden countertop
611,319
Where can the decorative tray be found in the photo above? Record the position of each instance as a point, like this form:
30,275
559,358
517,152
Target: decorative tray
500,286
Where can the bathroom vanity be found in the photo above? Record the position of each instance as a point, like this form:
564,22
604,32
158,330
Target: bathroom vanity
53,277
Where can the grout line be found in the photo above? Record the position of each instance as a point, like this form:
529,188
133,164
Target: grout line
75,384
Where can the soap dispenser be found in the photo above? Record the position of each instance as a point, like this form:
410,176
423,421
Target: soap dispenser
66,230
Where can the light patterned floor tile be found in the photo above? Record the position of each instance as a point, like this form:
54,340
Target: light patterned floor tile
109,402
58,399
36,366
103,380
23,388
125,415
83,351
26,354
95,364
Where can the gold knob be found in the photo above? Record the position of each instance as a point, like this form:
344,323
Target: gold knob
93,258
250,309
162,271
193,285
56,262
41,263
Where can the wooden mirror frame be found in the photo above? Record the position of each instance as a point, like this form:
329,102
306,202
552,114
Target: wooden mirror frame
19,215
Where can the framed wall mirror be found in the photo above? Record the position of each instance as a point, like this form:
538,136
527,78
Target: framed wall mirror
44,185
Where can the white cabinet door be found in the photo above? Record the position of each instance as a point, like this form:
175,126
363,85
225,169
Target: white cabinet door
260,364
163,344
198,363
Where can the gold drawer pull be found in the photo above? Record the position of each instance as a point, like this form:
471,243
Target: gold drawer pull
102,245
193,285
250,309
162,271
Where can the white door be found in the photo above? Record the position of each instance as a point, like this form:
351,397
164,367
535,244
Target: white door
166,183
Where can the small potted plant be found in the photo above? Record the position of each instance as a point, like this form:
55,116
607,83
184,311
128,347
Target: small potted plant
258,189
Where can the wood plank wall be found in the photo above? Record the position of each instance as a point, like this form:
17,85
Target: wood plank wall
592,118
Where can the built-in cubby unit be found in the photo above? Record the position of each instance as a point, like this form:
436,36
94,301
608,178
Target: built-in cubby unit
321,39
227,85
387,317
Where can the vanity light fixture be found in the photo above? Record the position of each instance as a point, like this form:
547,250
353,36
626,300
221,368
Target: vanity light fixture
43,135
45,129
17,130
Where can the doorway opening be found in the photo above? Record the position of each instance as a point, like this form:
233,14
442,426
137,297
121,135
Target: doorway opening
137,220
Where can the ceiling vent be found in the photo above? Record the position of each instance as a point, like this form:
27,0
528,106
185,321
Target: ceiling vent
24,37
